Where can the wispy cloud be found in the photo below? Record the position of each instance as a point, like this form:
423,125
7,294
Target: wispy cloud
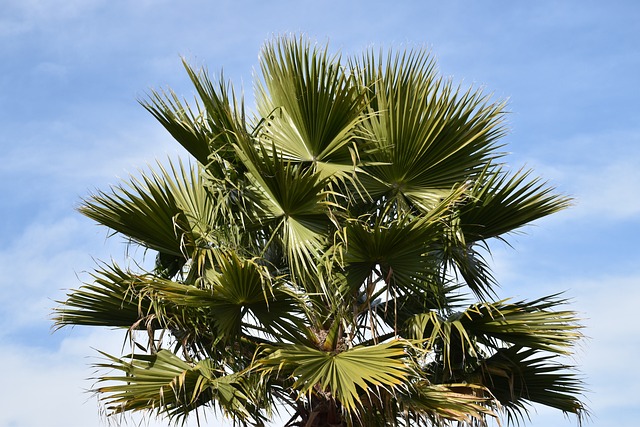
600,170
59,381
41,262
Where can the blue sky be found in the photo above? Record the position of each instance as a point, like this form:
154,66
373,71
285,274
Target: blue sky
70,74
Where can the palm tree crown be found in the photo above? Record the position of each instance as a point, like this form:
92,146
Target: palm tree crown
326,255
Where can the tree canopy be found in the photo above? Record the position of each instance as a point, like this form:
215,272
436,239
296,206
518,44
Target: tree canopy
324,255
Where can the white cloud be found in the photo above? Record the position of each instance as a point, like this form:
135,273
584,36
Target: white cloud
56,382
610,191
49,388
44,390
607,304
47,258
57,163
609,307
599,170
41,261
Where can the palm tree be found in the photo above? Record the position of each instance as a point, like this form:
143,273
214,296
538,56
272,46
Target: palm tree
326,255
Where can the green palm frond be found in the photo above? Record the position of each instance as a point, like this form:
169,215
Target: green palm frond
294,200
164,211
466,261
534,324
236,289
185,125
434,404
397,251
309,105
500,204
215,125
463,335
244,287
164,383
112,299
223,112
518,377
401,249
121,298
347,376
430,135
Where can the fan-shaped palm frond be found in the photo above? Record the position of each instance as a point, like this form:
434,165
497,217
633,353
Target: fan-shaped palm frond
295,201
431,136
309,105
236,289
165,383
165,211
345,376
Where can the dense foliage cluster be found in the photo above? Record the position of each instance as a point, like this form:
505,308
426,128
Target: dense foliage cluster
325,255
